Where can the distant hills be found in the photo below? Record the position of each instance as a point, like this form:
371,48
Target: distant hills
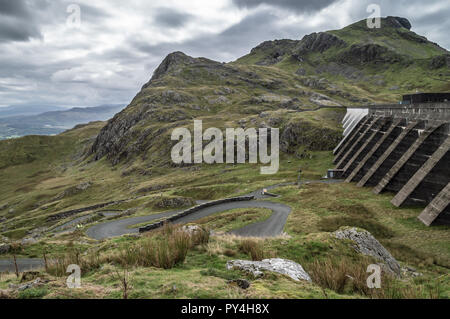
19,110
20,122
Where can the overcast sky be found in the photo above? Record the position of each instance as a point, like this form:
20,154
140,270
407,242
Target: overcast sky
47,58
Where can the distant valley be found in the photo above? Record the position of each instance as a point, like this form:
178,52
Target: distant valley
16,123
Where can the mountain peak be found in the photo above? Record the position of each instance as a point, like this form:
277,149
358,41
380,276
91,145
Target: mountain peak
386,22
170,62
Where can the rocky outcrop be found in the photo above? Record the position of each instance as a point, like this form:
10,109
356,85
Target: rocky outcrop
173,62
397,22
366,244
108,141
322,100
344,70
192,229
273,51
277,265
317,42
315,82
440,61
74,190
311,137
367,53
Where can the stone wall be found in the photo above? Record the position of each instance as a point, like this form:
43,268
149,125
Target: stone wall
192,210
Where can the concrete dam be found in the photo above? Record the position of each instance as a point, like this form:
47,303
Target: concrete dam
403,149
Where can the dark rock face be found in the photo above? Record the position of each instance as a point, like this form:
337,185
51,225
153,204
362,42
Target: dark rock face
368,53
317,42
312,138
398,22
274,51
344,70
108,141
440,61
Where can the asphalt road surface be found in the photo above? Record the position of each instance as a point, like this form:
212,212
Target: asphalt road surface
270,227
24,264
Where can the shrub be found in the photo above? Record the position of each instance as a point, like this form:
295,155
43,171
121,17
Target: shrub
347,276
171,251
331,224
200,236
164,248
229,252
344,276
253,248
57,266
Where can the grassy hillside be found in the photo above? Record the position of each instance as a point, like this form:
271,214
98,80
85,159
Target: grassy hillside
374,64
299,86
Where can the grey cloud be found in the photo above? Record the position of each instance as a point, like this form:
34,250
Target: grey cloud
233,42
138,58
171,18
21,20
17,22
15,30
297,5
15,8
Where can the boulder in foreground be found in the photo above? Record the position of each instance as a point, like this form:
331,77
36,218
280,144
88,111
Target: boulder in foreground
367,245
278,265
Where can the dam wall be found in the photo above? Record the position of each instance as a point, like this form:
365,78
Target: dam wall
402,149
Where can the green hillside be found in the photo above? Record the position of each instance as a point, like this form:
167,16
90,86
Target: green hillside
300,86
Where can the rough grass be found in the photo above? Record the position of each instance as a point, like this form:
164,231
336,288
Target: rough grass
235,219
165,248
345,276
331,224
253,248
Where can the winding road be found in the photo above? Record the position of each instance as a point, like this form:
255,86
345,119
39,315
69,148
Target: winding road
273,226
